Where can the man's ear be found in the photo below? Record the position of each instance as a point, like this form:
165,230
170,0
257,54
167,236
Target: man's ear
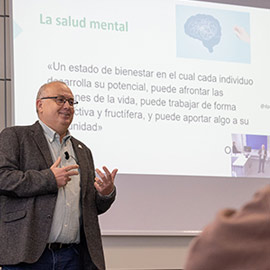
39,106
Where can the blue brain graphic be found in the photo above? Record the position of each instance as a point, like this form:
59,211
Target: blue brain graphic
205,28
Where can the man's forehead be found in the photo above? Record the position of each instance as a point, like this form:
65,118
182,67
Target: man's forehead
59,89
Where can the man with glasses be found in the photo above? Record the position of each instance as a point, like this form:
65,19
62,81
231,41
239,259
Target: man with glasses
50,198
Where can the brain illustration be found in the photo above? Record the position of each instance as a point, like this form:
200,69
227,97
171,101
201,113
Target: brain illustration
205,28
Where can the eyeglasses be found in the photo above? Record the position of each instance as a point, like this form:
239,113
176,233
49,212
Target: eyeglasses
61,100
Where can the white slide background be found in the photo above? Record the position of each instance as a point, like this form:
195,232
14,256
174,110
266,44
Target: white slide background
169,146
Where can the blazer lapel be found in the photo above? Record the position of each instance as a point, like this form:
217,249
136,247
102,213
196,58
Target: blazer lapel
40,140
82,162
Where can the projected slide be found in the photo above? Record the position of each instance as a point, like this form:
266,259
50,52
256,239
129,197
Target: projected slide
164,87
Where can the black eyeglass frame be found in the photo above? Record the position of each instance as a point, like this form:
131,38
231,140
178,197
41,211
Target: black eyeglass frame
61,100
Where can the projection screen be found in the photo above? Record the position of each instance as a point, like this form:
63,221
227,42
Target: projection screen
172,93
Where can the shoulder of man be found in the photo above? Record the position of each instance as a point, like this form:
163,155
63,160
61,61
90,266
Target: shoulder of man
21,129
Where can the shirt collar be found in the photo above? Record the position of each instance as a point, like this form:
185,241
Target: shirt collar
53,135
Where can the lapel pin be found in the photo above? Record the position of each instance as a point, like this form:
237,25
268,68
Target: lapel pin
79,146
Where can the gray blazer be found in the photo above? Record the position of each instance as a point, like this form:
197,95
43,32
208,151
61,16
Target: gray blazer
28,193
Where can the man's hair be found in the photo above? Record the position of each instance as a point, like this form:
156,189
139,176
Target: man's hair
44,87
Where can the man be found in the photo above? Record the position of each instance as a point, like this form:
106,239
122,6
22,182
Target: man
262,157
234,149
236,239
49,195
